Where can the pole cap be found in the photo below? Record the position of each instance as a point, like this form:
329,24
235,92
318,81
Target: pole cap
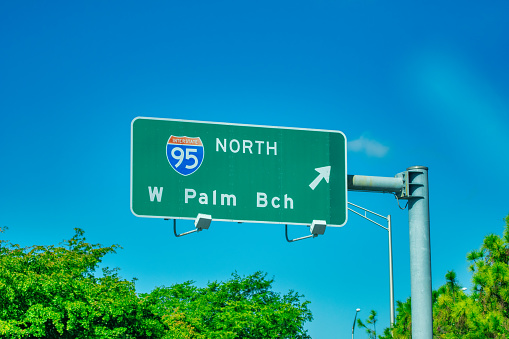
417,168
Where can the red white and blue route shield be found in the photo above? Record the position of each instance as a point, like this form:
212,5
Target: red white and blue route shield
185,154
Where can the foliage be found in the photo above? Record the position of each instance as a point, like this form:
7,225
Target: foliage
53,292
238,308
484,313
370,321
403,322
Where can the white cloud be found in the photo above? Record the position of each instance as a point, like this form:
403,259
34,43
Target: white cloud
370,147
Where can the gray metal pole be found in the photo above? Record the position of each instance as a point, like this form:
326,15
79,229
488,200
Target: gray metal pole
391,276
353,326
420,252
412,185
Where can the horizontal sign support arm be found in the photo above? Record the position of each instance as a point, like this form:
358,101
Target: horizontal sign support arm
375,184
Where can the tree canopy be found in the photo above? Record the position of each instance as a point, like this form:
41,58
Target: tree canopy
55,292
482,314
238,308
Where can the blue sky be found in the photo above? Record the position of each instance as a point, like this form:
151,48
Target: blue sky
421,83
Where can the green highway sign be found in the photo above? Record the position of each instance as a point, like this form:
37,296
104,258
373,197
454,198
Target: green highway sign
234,172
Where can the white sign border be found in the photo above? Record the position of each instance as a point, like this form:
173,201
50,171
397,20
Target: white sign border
241,125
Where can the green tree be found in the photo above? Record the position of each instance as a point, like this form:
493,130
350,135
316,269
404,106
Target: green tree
242,307
450,306
484,313
370,321
489,316
403,322
52,292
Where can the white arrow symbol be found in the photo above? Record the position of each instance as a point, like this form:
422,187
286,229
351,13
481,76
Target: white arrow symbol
324,174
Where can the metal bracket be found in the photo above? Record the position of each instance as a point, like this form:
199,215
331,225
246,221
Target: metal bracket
202,222
412,185
403,194
409,186
317,228
365,216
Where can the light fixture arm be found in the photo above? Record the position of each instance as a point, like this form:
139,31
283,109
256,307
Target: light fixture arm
317,228
296,239
202,222
389,230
